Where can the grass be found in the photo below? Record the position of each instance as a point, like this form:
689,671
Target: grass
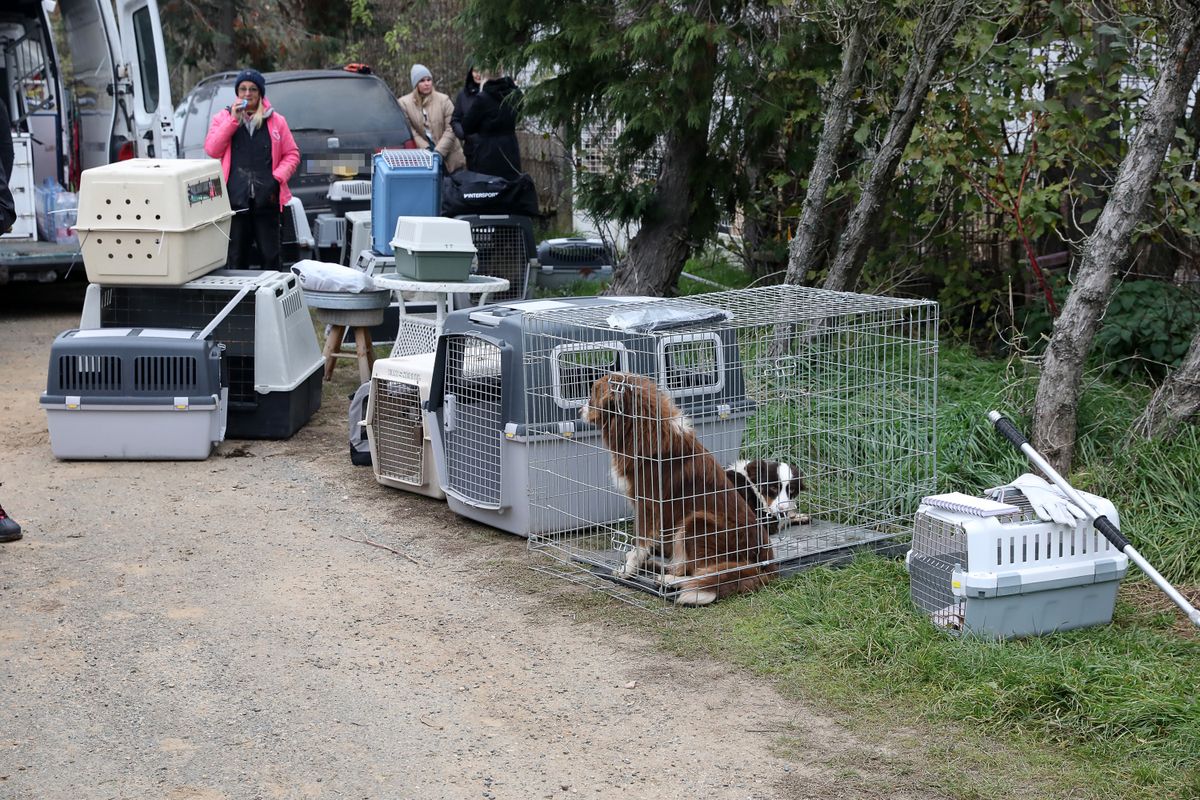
1102,712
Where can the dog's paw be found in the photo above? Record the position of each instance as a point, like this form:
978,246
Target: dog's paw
796,518
696,597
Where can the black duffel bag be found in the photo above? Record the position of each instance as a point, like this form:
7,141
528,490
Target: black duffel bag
466,192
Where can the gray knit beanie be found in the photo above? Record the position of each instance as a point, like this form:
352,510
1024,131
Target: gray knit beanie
419,73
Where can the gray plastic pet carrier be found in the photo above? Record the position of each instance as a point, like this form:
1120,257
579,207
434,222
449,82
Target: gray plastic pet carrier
134,394
507,391
271,351
1012,575
505,249
562,262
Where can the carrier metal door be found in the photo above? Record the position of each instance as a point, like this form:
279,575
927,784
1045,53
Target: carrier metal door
145,66
91,34
474,425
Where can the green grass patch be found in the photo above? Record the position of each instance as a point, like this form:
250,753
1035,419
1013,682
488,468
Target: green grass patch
1102,712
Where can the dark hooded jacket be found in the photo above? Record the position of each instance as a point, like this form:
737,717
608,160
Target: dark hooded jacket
492,120
462,104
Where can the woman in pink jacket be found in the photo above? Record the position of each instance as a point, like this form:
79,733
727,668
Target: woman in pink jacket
258,155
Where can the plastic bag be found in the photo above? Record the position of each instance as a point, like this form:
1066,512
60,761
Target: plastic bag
56,211
662,316
322,276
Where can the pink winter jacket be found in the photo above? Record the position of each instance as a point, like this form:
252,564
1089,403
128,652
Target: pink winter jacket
285,156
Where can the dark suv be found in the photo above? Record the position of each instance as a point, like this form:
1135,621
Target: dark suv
340,119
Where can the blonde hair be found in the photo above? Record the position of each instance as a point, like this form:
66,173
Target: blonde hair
256,119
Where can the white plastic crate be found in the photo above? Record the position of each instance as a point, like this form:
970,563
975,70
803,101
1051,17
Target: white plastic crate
398,427
331,230
134,394
271,351
1014,574
433,248
358,233
153,221
20,183
350,190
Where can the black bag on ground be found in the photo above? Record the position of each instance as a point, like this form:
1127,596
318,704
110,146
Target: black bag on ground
465,192
360,448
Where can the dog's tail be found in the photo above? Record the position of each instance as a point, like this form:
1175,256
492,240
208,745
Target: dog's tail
712,582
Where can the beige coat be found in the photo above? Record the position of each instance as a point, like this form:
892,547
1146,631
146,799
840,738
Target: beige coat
439,109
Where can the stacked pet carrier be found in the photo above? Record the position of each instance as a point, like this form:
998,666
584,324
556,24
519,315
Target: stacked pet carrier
153,221
404,183
997,570
271,352
150,232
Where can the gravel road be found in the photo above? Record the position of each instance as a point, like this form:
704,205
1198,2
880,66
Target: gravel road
217,629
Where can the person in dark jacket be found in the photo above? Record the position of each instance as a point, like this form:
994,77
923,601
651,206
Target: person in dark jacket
258,155
492,120
462,104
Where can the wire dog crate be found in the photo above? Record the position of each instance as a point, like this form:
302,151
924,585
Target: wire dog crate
271,352
500,460
505,249
840,386
1013,575
401,452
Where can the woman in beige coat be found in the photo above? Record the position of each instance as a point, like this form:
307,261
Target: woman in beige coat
429,115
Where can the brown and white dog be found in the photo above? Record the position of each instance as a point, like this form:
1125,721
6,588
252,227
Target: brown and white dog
772,489
685,508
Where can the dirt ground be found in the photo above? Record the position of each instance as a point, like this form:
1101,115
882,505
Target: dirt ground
212,630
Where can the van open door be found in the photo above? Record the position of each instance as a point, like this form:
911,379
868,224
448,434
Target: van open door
144,58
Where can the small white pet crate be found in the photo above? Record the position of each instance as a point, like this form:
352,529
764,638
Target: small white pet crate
510,447
150,221
271,352
358,235
433,248
841,386
134,394
1012,575
397,428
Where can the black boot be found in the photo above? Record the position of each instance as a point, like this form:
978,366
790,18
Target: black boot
10,531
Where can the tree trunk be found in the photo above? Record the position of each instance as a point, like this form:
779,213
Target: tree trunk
1107,249
678,216
1176,401
932,42
805,246
663,243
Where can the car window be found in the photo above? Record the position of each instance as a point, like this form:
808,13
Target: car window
342,105
196,118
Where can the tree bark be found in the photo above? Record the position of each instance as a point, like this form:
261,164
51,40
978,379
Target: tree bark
932,42
663,243
1175,402
677,216
1107,249
804,248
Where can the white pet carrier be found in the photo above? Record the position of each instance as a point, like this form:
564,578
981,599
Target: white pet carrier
1012,575
401,452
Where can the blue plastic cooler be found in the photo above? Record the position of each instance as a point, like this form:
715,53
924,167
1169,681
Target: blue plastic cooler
404,183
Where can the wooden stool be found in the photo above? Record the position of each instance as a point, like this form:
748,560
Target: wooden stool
341,310
364,351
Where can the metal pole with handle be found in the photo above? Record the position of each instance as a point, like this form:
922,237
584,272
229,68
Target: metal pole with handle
1102,523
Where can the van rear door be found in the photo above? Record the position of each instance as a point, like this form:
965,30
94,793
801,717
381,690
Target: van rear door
144,57
91,34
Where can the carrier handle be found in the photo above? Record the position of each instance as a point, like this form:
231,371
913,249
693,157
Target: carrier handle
1102,523
224,312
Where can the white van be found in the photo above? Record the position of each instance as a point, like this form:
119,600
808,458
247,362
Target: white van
86,84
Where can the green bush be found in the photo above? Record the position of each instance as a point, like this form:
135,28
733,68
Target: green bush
1147,329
